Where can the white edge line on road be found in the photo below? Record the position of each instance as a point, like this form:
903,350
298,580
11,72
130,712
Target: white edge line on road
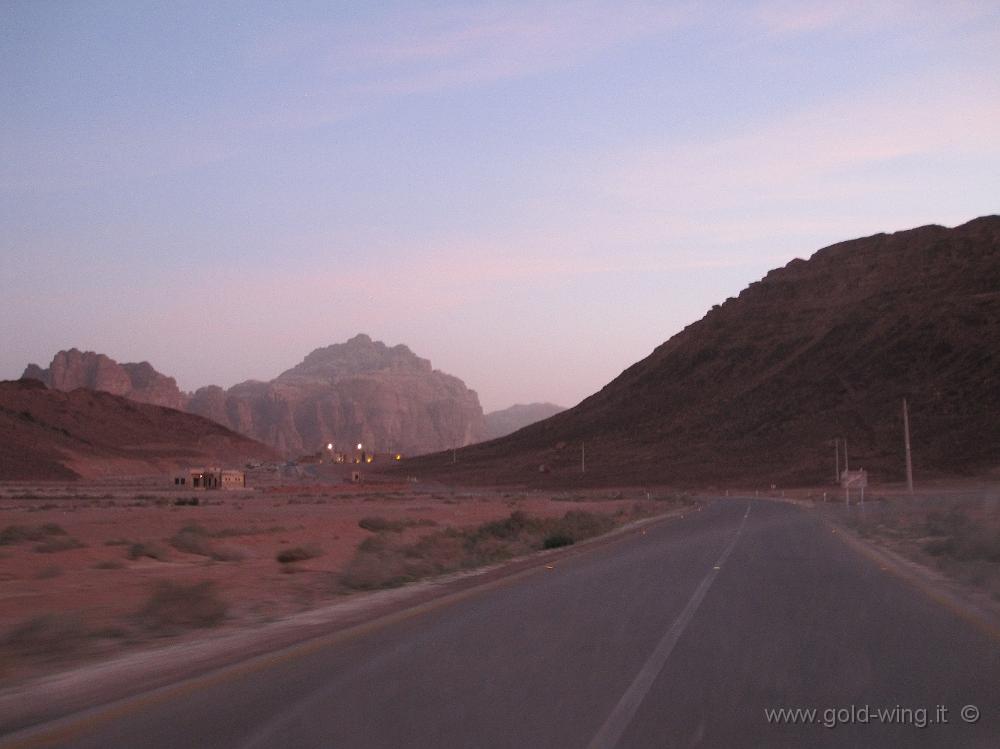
614,727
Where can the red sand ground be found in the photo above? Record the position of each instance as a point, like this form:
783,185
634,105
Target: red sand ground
70,585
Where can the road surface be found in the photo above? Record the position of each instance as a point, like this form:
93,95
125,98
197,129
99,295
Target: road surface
684,636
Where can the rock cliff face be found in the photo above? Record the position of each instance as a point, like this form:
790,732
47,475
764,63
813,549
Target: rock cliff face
504,422
363,391
756,391
85,369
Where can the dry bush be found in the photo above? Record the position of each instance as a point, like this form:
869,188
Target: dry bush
151,550
381,562
174,606
58,543
378,524
298,554
46,636
109,564
15,534
968,543
578,525
962,534
194,539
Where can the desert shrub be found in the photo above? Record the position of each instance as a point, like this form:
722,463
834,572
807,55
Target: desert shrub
381,562
298,554
58,543
371,572
194,539
379,524
556,540
116,542
940,523
109,564
578,525
15,534
173,606
151,550
186,501
967,543
46,636
510,527
940,547
47,573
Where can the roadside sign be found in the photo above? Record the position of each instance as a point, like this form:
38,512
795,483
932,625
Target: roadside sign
854,479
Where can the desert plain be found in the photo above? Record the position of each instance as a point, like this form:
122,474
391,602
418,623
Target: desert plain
91,569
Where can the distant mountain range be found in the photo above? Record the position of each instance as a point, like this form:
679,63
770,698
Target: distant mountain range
386,398
84,369
504,422
759,388
53,435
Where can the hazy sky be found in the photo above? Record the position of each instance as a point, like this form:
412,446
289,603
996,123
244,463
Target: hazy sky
533,195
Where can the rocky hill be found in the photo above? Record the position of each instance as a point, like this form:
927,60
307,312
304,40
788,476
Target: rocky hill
755,391
74,369
54,435
363,391
358,391
504,422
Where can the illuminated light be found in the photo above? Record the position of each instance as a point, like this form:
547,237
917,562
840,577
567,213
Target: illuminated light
398,456
329,445
359,445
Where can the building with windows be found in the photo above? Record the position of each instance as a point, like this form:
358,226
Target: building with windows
211,478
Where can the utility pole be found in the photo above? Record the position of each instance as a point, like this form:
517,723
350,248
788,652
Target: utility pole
583,457
454,458
906,437
836,457
847,465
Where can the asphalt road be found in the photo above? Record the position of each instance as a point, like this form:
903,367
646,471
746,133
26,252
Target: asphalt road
681,637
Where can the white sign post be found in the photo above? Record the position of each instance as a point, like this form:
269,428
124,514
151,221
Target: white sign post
856,479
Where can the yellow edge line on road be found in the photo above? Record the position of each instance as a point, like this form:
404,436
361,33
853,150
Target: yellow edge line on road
900,567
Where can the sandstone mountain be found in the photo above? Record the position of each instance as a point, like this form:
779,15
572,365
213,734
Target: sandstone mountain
363,391
74,369
755,391
54,435
504,422
358,391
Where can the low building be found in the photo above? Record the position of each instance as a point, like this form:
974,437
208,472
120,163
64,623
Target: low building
211,478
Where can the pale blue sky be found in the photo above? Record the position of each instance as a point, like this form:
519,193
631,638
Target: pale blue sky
532,195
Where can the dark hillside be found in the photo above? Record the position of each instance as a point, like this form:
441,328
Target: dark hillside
756,390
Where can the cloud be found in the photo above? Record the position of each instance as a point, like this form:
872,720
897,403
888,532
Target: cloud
426,50
821,156
787,17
